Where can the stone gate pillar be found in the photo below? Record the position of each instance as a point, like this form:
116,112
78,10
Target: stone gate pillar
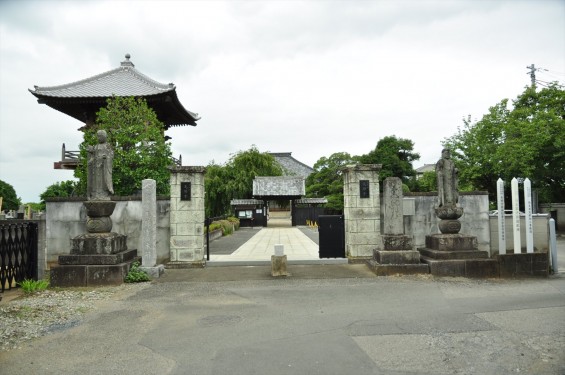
361,209
187,216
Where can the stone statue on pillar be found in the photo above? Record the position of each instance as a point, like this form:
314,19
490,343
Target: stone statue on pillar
448,196
99,186
100,158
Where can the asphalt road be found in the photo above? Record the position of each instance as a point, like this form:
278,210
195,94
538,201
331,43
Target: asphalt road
321,320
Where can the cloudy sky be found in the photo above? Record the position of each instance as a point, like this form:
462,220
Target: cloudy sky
308,77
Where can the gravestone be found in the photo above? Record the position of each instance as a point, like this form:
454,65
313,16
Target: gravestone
396,254
98,257
451,253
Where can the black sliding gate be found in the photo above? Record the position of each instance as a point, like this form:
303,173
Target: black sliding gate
331,229
18,252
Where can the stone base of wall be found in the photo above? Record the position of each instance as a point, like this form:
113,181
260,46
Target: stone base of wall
397,269
524,265
185,265
81,275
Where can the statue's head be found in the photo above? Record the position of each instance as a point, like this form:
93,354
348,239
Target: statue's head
101,134
445,153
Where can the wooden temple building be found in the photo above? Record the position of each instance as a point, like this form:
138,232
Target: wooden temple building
83,99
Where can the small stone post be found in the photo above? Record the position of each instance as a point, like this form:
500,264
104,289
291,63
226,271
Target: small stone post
278,262
149,229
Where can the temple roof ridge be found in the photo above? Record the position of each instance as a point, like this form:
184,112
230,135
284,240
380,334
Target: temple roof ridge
101,84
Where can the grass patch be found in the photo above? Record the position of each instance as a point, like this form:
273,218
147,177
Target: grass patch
32,286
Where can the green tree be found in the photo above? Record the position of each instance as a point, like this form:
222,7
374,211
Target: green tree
10,200
428,182
140,149
396,156
67,188
327,179
234,180
526,140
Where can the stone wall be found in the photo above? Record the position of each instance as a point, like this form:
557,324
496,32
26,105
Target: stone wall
422,220
66,218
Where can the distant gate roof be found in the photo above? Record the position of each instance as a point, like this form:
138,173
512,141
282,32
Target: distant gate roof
290,165
278,187
82,99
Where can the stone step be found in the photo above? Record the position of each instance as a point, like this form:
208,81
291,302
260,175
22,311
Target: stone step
101,259
475,268
453,254
398,269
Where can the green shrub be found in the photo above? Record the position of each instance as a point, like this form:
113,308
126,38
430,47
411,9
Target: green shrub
227,227
135,275
31,286
213,226
234,221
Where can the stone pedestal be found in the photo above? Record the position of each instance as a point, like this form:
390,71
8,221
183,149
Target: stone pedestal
96,259
397,257
457,255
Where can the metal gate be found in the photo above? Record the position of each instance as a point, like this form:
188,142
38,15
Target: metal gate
18,252
331,230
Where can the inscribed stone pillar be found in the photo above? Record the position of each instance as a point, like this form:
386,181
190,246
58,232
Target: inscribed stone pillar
187,215
392,206
361,209
149,223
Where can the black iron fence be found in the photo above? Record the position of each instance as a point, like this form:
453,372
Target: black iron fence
18,252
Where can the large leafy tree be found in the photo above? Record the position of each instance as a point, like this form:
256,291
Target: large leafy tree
396,156
526,139
67,188
140,149
327,180
10,200
234,180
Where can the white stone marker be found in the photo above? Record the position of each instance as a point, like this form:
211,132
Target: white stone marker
529,223
501,217
149,223
516,216
279,250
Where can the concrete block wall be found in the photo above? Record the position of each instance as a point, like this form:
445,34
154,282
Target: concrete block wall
558,210
540,224
474,222
66,218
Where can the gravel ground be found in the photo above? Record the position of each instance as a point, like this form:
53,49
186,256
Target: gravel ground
30,316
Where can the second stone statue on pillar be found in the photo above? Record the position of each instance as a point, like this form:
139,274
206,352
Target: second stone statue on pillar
448,196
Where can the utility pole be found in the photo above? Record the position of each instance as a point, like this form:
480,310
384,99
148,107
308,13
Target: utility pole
532,74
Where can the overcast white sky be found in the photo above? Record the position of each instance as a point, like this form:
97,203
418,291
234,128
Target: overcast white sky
308,77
